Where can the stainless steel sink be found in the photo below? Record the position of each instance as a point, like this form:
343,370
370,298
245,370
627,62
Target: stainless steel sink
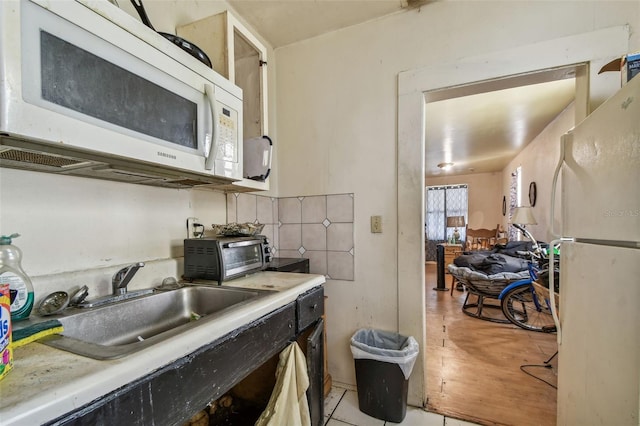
118,329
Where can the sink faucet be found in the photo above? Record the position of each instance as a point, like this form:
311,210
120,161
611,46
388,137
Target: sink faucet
122,277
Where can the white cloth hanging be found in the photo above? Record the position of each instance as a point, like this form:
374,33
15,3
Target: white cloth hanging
288,404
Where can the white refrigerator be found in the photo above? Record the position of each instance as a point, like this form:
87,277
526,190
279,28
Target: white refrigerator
599,314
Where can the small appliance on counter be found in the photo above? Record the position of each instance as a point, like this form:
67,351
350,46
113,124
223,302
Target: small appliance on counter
257,158
224,258
289,264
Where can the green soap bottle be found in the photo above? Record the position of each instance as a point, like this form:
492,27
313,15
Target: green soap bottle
11,273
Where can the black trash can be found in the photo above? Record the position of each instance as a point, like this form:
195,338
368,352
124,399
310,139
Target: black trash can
383,362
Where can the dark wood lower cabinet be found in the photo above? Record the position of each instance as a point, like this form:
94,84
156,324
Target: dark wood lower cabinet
315,368
172,394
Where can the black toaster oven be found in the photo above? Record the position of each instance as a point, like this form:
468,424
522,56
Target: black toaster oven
225,258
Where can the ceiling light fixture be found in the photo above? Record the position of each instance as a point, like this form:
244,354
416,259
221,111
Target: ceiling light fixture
445,166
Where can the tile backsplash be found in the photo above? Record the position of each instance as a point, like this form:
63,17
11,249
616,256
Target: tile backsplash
319,228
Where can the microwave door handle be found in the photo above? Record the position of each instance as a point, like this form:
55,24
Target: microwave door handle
210,94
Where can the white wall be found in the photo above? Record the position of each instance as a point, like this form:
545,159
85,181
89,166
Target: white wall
70,224
336,117
485,196
538,161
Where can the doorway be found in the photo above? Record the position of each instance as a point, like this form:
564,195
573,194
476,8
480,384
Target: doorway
580,49
475,368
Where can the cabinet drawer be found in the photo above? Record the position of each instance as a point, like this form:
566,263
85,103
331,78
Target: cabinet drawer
452,251
309,307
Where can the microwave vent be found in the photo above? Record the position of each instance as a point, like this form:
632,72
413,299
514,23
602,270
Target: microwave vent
124,174
37,158
22,154
187,182
142,177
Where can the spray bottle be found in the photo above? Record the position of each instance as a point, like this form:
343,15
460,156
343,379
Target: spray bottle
11,273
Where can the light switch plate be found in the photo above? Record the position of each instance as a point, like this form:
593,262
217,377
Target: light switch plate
376,224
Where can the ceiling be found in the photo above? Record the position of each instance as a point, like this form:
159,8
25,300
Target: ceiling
482,133
480,128
288,21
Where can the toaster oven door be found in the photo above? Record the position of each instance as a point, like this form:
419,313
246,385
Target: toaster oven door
240,258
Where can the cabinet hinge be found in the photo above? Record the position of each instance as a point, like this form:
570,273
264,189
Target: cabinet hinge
261,62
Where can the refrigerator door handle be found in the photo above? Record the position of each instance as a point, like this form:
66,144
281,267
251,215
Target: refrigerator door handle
552,297
554,184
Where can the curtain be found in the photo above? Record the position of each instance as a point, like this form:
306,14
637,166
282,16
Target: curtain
513,203
436,220
442,202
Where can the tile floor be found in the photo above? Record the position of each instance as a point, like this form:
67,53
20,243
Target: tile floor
341,408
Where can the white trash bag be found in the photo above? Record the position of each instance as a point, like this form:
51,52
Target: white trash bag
385,346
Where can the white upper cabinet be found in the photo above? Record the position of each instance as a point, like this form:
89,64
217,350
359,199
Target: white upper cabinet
240,57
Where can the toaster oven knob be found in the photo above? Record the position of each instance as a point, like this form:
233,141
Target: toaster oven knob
267,258
267,249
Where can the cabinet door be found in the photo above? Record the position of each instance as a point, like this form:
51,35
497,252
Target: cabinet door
250,65
315,369
239,56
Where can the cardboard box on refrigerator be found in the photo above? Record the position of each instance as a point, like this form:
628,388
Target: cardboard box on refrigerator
628,65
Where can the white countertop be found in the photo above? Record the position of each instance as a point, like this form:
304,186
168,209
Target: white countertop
46,383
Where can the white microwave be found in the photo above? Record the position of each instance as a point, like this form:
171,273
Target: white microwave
86,89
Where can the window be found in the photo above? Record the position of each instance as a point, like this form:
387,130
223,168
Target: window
443,202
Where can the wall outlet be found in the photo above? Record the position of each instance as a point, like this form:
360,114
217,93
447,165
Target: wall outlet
191,229
376,224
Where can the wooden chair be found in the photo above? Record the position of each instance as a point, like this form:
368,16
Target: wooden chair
481,239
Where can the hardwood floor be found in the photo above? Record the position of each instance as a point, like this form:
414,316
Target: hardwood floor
473,366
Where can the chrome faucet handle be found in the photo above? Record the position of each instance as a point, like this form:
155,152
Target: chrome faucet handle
121,278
